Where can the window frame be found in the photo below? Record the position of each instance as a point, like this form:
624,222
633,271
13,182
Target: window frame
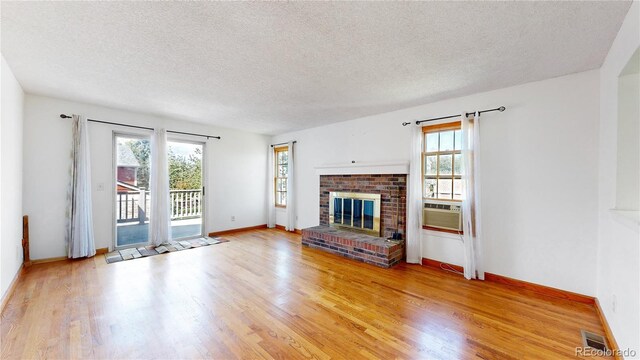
451,126
276,151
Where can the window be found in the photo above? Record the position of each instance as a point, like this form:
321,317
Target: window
281,171
442,162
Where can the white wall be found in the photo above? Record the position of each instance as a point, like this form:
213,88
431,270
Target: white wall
619,237
628,149
539,175
281,216
11,177
235,179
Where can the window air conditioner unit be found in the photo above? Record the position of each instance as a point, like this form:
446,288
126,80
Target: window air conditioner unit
442,215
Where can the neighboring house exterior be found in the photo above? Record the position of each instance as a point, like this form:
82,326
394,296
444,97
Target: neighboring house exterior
127,165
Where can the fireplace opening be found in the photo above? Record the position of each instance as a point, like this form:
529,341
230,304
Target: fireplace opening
357,212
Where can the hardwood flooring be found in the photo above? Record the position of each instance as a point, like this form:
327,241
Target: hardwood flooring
262,295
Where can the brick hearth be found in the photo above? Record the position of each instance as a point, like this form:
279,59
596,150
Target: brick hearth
369,249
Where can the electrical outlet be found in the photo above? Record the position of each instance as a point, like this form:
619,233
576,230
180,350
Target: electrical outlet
233,218
614,303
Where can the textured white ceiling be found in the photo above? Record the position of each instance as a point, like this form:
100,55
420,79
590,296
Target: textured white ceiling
271,67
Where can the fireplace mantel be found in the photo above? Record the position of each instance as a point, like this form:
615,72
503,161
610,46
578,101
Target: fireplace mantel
364,168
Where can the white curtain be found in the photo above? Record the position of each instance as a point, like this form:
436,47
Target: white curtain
80,240
471,197
291,190
271,203
414,199
160,219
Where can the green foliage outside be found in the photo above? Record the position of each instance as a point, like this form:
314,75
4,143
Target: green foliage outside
185,172
142,151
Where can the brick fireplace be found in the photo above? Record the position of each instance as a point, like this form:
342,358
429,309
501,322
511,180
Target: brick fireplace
363,247
393,195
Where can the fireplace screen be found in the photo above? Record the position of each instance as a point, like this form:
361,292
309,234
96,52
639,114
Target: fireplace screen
355,211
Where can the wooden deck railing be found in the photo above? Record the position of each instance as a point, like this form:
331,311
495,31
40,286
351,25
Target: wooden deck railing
185,203
133,206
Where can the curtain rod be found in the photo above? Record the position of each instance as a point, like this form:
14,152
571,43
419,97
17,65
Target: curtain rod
418,122
64,116
284,143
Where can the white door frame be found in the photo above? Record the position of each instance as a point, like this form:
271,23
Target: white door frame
203,178
114,183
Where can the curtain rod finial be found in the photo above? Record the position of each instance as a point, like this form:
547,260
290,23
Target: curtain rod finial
502,108
405,123
64,116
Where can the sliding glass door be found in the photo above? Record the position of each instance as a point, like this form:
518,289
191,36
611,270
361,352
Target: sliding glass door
132,196
186,195
132,156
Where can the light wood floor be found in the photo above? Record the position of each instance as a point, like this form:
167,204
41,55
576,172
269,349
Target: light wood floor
262,295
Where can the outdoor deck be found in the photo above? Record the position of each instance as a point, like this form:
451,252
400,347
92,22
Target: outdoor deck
132,232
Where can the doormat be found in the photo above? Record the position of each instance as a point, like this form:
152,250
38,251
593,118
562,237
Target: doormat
144,251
